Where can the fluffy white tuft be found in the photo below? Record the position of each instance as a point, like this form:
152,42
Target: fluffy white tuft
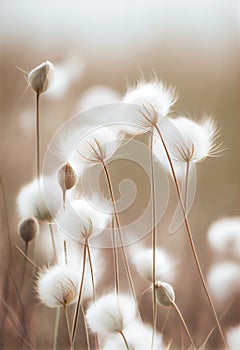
224,280
224,235
196,141
233,338
40,200
57,286
154,94
142,260
111,313
139,337
83,219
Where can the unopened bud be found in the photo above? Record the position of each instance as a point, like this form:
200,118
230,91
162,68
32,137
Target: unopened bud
41,76
67,178
165,294
28,229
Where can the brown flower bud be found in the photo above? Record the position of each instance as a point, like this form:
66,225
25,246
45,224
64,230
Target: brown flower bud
28,229
67,178
40,77
165,294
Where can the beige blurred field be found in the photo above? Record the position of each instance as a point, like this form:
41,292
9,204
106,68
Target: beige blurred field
191,45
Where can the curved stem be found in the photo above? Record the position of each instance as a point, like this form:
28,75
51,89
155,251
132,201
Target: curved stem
115,257
56,327
71,346
186,187
119,232
76,314
184,324
24,266
154,241
125,340
191,239
38,136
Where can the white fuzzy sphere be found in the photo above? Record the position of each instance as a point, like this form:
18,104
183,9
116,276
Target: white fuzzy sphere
233,338
111,313
57,286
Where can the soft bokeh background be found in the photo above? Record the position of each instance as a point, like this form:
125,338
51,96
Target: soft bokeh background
193,45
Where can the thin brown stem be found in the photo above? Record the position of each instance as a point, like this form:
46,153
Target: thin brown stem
38,136
184,324
91,272
154,240
86,328
24,266
53,242
186,186
76,314
125,340
125,260
71,345
115,257
191,239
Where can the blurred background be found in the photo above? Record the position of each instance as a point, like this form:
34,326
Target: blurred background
99,49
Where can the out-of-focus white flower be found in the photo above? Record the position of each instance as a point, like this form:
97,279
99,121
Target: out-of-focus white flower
57,286
97,96
40,199
224,235
100,144
83,219
233,338
28,229
66,73
165,294
41,76
143,261
195,142
139,337
224,280
111,313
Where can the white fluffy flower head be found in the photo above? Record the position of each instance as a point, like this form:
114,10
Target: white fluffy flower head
111,313
83,219
142,260
196,140
41,200
57,286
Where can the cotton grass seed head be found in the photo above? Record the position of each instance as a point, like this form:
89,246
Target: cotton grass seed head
83,219
41,76
197,140
143,262
139,337
156,98
41,200
165,294
28,229
57,286
111,313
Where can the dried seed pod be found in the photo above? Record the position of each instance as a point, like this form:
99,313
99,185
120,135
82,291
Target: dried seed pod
28,229
165,294
40,77
67,178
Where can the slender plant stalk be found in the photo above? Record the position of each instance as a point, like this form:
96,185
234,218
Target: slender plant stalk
65,252
86,328
24,266
115,257
186,187
76,314
53,242
154,241
56,327
165,321
71,346
93,286
125,340
184,324
108,178
191,239
38,136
